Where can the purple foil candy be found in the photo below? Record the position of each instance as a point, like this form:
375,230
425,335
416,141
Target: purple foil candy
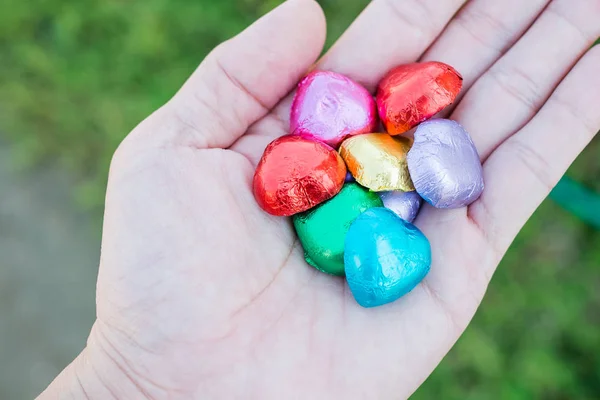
444,164
349,178
406,205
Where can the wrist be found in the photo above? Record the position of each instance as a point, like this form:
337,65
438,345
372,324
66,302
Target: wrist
92,375
77,381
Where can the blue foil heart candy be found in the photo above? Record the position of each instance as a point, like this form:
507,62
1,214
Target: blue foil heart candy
385,257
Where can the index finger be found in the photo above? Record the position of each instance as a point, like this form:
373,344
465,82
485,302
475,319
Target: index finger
388,33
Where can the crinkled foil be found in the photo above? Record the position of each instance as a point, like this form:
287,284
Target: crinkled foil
349,177
410,94
330,107
322,230
444,164
378,161
406,205
385,257
295,174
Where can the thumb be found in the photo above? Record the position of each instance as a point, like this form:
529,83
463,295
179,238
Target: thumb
241,80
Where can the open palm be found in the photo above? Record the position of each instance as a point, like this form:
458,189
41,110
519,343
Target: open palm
201,294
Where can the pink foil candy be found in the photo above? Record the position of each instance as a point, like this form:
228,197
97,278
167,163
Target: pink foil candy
330,107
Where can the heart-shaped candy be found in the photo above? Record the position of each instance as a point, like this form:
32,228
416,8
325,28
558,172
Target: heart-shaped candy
444,164
322,230
330,107
410,94
295,174
378,161
385,257
406,205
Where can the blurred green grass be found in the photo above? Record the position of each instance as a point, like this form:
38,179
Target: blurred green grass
77,76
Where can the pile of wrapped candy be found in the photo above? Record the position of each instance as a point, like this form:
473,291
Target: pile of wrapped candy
354,193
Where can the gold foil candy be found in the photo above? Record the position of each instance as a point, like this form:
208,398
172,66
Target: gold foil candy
378,161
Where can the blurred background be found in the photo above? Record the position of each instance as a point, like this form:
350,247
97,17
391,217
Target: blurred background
77,76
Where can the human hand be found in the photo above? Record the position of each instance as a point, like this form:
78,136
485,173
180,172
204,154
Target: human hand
201,294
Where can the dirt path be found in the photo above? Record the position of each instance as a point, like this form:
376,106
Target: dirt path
48,266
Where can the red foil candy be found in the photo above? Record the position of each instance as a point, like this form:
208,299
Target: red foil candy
410,94
295,174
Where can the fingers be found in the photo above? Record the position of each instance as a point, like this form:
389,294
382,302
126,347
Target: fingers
481,32
388,33
522,171
243,78
512,91
385,34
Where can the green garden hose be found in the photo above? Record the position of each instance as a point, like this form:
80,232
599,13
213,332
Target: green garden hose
574,197
580,201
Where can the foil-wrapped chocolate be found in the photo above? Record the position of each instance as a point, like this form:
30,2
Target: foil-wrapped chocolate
322,230
330,107
378,161
385,257
444,164
349,177
406,205
410,94
295,174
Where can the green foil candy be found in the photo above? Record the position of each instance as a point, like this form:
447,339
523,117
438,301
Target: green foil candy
322,230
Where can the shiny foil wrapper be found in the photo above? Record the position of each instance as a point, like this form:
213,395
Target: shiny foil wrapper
322,230
385,257
349,177
378,161
329,107
410,94
406,205
295,174
444,164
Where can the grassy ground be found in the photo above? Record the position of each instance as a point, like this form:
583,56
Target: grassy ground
76,76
